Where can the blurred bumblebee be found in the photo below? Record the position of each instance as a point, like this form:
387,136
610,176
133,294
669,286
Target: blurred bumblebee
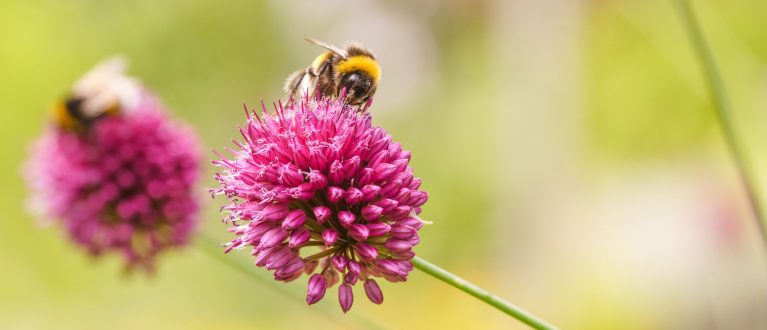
353,69
103,91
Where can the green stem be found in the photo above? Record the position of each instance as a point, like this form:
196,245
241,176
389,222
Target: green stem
723,110
481,294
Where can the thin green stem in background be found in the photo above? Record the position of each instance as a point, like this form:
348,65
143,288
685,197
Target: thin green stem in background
481,294
212,249
723,110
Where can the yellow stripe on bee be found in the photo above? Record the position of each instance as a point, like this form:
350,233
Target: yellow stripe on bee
360,63
63,118
319,60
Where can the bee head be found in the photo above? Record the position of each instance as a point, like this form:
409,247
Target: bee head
358,86
358,75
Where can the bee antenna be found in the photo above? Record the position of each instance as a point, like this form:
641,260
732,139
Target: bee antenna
329,47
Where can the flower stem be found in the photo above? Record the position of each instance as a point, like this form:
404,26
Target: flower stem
723,110
481,294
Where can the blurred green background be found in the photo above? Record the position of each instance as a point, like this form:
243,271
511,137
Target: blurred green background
568,146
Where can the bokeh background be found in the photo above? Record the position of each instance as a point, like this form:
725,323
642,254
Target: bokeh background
569,148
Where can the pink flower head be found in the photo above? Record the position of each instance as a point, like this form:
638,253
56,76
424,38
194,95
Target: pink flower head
317,185
125,184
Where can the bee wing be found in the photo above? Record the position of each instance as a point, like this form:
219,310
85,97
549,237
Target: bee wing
329,47
106,85
103,71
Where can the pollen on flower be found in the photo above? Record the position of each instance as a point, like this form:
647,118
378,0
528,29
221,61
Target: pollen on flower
125,185
314,188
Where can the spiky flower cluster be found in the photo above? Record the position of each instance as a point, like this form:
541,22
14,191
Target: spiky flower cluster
315,188
125,185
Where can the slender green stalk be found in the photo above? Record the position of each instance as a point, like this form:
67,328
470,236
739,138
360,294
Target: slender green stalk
208,247
481,294
723,110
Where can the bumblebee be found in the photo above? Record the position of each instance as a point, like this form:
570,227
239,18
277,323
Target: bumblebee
353,70
103,91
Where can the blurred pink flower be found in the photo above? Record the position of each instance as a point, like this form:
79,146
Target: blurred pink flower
125,184
316,185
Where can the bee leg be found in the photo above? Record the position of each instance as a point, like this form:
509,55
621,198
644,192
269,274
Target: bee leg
319,74
293,82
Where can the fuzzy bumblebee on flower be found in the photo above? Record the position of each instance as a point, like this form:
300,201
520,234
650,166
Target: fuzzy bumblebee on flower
315,188
114,170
